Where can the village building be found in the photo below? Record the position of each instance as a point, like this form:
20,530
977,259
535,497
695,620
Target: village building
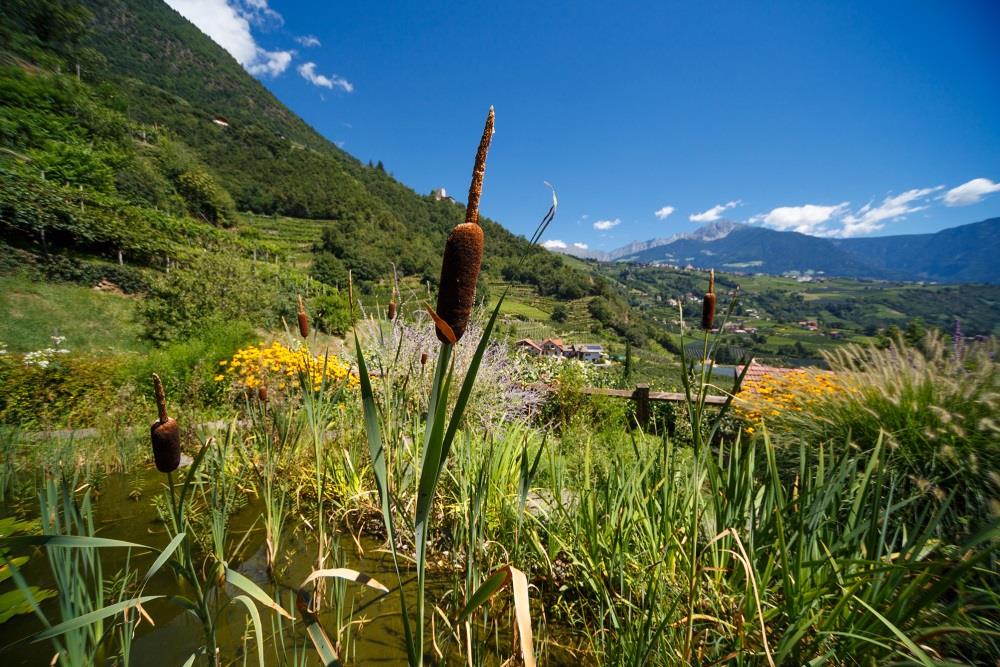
529,346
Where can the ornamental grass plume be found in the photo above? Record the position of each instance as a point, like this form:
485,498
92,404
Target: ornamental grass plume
708,305
463,255
303,319
164,433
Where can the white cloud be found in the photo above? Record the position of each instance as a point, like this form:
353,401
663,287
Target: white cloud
870,218
580,246
714,213
605,225
805,219
229,26
664,212
308,40
270,62
308,72
554,244
971,192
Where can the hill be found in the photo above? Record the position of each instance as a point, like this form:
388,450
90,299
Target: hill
114,166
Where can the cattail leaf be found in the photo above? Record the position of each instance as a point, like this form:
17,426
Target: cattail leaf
522,613
255,617
374,433
162,558
254,591
189,479
91,617
468,384
522,605
71,541
347,574
321,642
486,590
442,326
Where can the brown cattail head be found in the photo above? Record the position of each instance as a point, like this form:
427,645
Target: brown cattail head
262,393
392,311
478,171
708,305
463,255
303,319
164,433
423,359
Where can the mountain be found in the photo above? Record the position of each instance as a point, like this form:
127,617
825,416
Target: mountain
709,232
964,254
959,254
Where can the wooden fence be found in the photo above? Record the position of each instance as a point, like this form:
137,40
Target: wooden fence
643,397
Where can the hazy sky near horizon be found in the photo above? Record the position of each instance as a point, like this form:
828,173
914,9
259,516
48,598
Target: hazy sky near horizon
830,118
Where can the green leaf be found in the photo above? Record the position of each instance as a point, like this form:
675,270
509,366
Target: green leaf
254,591
92,617
346,574
162,558
75,541
5,569
255,617
917,652
14,603
323,645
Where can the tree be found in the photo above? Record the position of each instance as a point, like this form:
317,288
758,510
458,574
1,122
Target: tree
559,314
332,313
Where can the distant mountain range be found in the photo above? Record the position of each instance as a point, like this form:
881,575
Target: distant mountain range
965,254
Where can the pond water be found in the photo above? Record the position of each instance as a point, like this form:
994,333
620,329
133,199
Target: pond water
124,510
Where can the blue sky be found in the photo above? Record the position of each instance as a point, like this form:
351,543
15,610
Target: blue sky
831,118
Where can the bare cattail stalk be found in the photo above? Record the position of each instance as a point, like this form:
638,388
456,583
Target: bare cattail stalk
164,433
350,293
708,305
303,319
463,253
478,171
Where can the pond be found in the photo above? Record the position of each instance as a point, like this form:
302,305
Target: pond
123,509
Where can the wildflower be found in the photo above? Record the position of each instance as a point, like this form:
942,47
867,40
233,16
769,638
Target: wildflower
708,305
164,433
463,255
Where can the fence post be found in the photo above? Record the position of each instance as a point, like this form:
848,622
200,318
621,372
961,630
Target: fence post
641,398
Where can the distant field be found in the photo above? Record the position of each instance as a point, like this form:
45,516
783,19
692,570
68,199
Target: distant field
91,320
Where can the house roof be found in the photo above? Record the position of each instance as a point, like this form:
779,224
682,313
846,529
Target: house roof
759,371
529,342
555,341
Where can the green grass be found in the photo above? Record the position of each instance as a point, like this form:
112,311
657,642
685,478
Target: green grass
91,320
513,307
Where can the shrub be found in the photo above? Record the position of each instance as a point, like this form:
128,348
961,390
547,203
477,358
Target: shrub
937,410
51,388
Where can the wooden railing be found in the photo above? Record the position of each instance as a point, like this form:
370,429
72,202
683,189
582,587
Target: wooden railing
643,397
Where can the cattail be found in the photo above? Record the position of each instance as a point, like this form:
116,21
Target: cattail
164,433
463,253
392,310
708,305
303,319
423,359
262,393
